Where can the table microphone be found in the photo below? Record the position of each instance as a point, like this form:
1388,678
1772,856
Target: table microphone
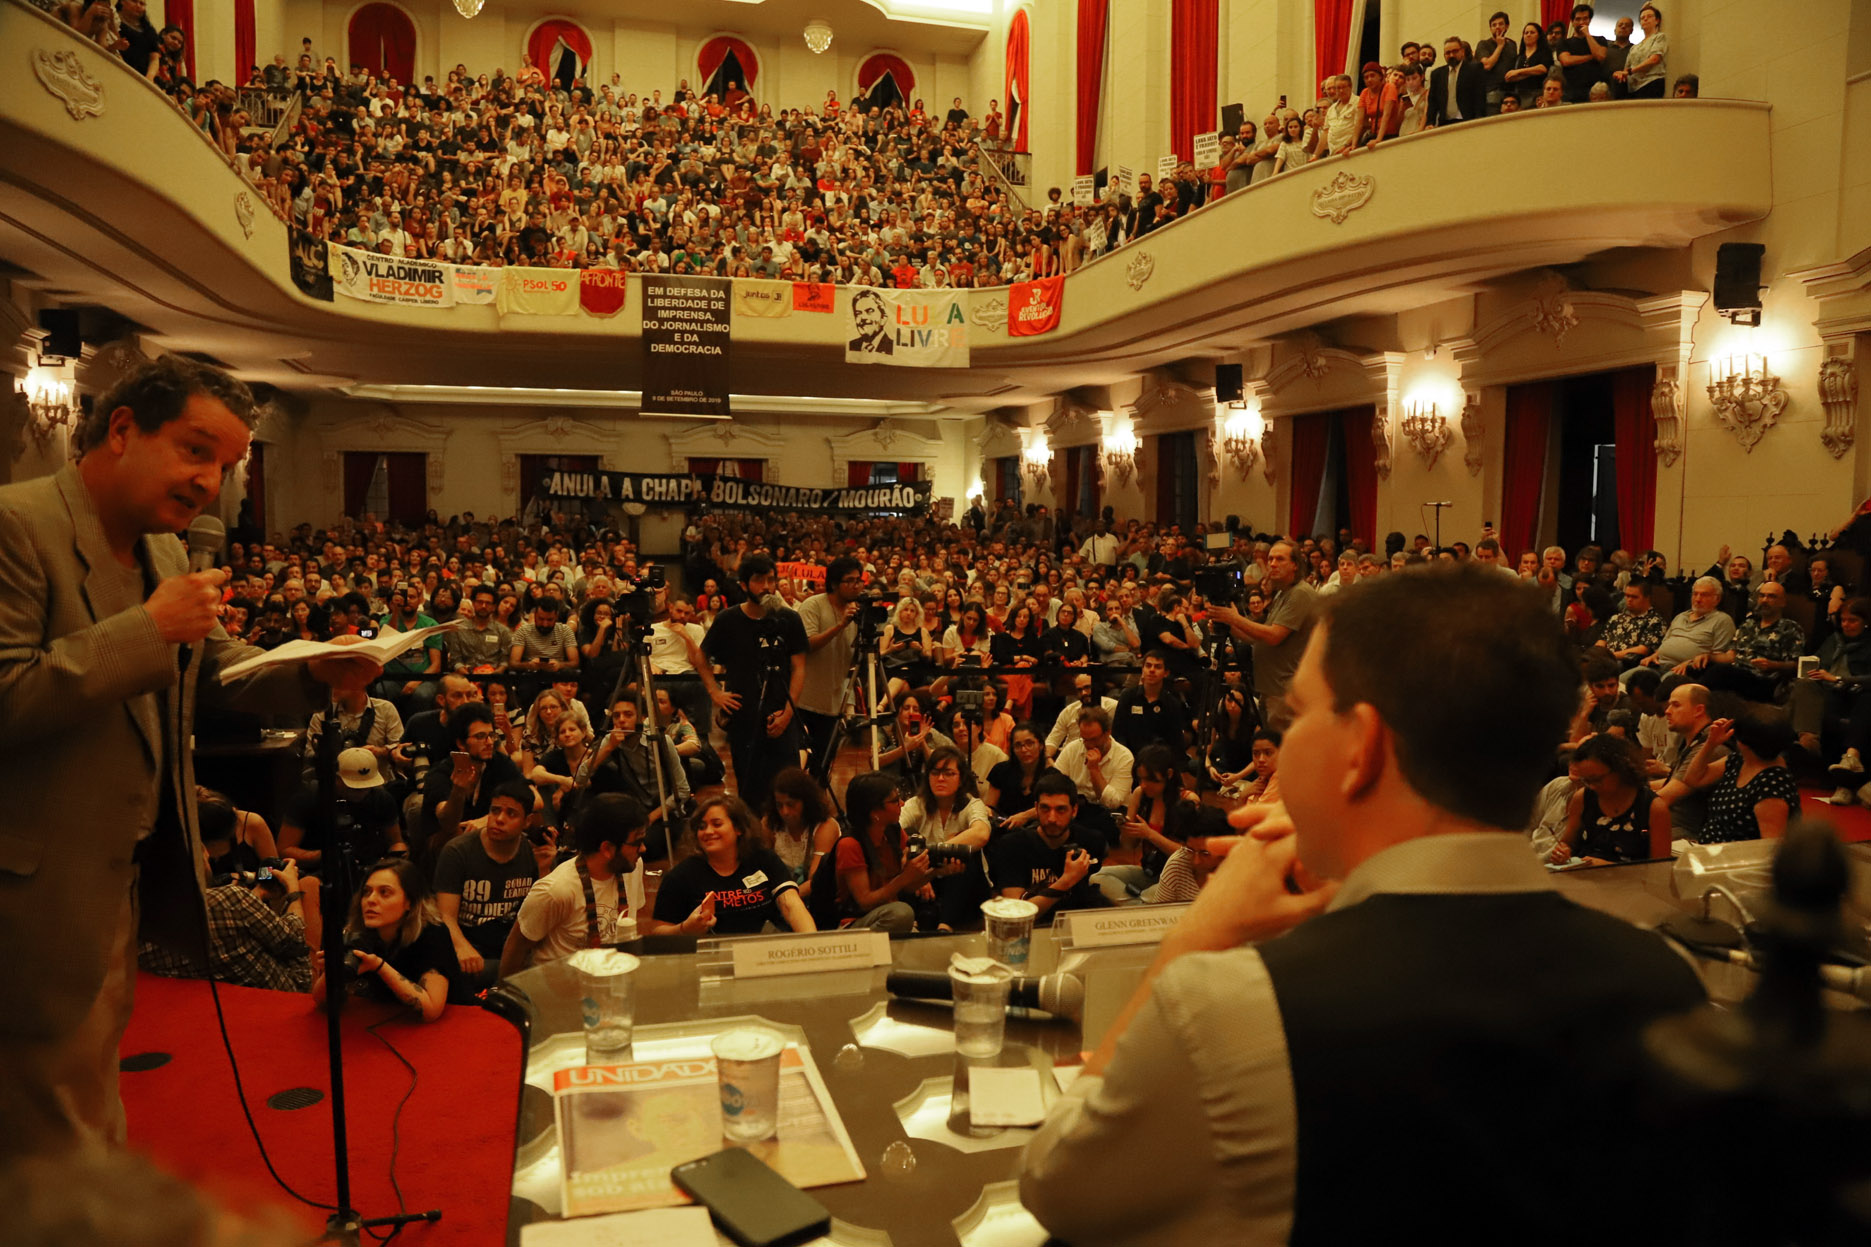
1715,940
206,537
1062,995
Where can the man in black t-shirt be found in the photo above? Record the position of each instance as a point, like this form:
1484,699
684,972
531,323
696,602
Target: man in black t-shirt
1581,57
481,878
762,653
1151,713
462,789
1051,863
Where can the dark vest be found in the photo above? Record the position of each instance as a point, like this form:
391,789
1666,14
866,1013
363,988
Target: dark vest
1464,1069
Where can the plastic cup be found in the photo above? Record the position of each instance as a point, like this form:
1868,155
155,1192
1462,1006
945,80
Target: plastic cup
607,991
980,1007
747,1062
1009,923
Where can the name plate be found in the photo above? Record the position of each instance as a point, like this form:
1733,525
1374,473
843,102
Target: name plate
1129,924
809,953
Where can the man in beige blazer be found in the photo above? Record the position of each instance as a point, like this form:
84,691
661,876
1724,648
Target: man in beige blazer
106,640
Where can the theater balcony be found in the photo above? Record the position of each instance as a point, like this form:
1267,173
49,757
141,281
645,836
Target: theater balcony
109,196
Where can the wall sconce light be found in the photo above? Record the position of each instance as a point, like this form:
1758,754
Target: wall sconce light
818,35
1240,439
1036,465
1426,429
1120,455
1747,397
52,401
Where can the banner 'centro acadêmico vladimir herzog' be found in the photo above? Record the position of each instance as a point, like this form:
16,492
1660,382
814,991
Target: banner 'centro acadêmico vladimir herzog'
671,489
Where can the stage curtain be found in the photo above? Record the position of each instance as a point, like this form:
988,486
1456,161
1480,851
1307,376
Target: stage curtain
909,471
1312,438
243,39
1019,43
884,65
858,472
1635,426
359,467
1556,11
409,487
1194,38
1354,429
1331,38
716,50
1093,20
383,41
182,13
1529,419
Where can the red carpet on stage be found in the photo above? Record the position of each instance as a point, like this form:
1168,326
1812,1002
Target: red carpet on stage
456,1149
1852,822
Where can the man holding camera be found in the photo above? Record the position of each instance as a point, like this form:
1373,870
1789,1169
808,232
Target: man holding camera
625,762
1051,863
830,623
1278,642
763,653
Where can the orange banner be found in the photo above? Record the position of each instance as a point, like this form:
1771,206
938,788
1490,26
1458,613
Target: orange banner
1033,306
811,296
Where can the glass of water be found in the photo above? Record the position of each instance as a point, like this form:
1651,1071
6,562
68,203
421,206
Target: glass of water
980,1004
747,1062
607,987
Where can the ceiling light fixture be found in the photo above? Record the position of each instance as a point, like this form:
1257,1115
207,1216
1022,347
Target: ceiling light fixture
818,34
468,8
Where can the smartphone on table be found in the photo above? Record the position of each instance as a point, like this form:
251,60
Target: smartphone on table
749,1202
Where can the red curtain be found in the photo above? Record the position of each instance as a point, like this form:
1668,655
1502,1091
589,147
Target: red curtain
1312,439
1331,37
878,64
243,39
909,471
1556,11
1019,43
409,486
702,467
858,472
1194,37
256,487
1354,429
716,50
359,467
753,469
545,40
383,41
1529,419
1093,20
182,13
1635,426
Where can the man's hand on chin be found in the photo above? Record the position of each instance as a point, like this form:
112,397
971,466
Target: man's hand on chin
1256,893
346,674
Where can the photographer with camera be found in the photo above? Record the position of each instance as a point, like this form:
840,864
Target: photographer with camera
948,821
830,620
594,898
367,815
881,884
763,654
261,926
362,722
1051,862
912,737
482,876
1279,642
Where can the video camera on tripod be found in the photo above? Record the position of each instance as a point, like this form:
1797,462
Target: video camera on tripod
873,614
1222,580
635,607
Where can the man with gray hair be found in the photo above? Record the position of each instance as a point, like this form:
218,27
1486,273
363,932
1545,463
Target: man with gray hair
1344,120
1696,633
107,643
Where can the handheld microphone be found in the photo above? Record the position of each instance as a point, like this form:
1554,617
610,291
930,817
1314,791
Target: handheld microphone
1062,995
206,537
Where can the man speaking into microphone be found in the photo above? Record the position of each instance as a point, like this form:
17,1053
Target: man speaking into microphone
107,638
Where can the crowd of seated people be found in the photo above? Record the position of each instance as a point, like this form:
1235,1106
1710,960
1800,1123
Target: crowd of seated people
497,168
1059,703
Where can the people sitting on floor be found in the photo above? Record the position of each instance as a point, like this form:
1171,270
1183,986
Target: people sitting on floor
880,883
1051,862
482,876
1152,829
732,878
1751,793
403,953
1099,766
1687,713
593,899
1614,816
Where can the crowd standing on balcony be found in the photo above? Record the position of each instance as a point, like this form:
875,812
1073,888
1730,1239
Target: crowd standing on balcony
515,169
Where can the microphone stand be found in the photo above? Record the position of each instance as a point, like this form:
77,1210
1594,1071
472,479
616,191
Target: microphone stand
345,1224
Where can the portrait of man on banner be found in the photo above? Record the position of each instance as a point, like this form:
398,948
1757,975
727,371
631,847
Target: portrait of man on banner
870,319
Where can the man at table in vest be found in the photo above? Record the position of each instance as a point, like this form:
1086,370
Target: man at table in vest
1415,1059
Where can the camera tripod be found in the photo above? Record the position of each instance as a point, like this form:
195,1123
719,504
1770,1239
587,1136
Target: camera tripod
650,731
862,674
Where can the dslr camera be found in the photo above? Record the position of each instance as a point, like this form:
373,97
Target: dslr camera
873,614
1220,583
939,854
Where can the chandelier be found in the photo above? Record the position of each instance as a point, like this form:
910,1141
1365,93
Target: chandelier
818,34
51,401
468,8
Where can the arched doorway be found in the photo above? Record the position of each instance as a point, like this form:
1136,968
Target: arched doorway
728,68
885,81
382,39
561,50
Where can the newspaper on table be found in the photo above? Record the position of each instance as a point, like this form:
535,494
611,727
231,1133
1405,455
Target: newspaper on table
622,1128
380,649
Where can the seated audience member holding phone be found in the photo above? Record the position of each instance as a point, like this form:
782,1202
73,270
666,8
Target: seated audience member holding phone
462,788
880,884
482,876
401,951
742,883
1388,989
